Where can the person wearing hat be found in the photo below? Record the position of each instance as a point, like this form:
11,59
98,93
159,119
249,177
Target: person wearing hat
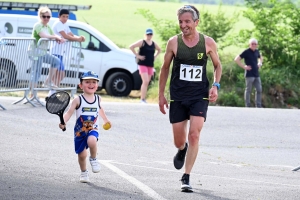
88,109
145,59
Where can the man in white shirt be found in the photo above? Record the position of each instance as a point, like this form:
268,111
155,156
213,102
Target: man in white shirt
62,29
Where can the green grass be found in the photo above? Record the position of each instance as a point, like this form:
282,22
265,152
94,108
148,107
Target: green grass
118,21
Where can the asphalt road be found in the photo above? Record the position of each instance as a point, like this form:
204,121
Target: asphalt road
245,153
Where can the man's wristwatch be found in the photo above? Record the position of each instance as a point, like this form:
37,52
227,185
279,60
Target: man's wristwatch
217,85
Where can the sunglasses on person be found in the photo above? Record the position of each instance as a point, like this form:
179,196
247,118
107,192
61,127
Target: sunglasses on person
150,34
48,17
253,43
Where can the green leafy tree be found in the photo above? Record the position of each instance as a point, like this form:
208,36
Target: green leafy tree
217,25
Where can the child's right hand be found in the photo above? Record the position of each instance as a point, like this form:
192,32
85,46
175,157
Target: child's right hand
61,126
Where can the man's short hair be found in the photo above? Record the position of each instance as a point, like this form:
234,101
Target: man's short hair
63,12
191,9
253,40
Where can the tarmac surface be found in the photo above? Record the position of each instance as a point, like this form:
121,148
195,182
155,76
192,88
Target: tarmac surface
245,153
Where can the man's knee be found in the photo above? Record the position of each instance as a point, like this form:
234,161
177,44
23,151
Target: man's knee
194,137
258,88
179,142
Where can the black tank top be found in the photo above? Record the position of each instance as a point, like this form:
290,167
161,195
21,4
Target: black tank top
147,51
189,79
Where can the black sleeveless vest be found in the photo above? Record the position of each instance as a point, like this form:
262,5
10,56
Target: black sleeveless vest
189,63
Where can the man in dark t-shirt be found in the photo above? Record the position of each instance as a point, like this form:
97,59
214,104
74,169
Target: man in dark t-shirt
251,67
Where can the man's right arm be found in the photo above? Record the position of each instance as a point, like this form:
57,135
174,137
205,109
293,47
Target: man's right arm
165,68
238,61
164,73
69,36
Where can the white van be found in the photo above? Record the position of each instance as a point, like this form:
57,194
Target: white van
116,67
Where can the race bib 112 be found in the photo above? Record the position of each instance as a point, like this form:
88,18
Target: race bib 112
190,72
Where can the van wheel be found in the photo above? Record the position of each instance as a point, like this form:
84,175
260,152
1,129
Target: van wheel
8,75
118,84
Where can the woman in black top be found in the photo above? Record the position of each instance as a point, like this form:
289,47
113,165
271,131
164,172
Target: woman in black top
145,59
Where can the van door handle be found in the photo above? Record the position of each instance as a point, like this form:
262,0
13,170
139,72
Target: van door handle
79,57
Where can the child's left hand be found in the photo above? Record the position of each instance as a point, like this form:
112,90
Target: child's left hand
106,125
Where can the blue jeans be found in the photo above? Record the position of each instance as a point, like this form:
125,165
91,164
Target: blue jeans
256,82
37,65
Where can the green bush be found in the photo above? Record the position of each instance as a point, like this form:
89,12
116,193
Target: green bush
230,99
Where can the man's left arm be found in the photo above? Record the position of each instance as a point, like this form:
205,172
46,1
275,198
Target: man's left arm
212,51
260,60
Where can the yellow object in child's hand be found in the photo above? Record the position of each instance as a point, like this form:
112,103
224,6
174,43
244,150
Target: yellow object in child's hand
106,126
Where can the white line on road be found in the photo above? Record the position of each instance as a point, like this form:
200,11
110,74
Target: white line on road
147,190
220,177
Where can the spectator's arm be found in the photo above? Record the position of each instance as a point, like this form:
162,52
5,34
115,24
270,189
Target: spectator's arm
135,45
70,37
45,35
238,61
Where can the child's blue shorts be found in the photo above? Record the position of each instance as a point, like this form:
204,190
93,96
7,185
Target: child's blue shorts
81,141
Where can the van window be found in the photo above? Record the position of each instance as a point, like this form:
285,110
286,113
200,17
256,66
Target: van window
91,42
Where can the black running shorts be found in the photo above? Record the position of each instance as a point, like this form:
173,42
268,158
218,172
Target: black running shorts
182,110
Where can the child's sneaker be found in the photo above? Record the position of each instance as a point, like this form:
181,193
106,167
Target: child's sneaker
95,165
84,177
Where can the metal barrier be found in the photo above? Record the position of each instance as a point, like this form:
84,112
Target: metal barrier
14,63
42,67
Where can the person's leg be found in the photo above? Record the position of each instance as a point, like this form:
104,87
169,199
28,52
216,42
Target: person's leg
178,116
198,113
196,124
84,175
249,82
258,88
36,69
82,160
150,74
58,77
145,81
60,73
179,134
144,86
92,144
55,63
61,76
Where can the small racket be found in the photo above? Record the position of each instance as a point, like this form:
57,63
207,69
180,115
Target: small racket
57,103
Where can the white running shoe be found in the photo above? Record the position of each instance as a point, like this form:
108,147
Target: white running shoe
95,165
84,177
143,101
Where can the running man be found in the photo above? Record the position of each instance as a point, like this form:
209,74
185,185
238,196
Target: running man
189,87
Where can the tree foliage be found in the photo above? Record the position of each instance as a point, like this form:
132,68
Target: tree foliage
217,25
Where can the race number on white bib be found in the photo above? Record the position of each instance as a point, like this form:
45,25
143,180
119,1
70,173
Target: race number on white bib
190,72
